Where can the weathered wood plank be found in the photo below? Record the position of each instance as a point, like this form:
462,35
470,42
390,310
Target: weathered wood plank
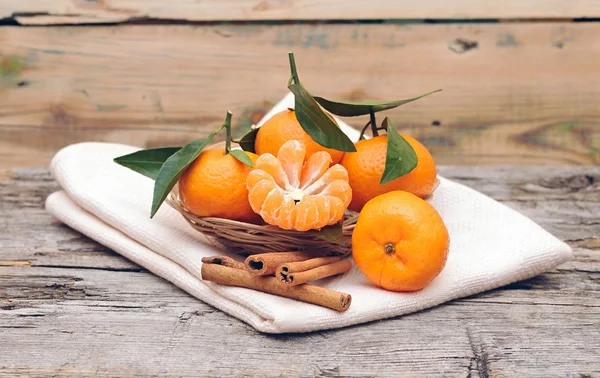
49,243
70,12
525,95
67,312
100,321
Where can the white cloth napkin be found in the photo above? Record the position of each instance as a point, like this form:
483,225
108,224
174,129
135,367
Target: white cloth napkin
491,245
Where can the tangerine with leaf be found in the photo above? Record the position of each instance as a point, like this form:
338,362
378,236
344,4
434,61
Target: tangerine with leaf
212,181
385,162
307,123
283,127
367,167
214,185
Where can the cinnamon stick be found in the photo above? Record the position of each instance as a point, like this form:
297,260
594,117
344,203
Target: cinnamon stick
317,295
285,269
338,267
225,261
264,264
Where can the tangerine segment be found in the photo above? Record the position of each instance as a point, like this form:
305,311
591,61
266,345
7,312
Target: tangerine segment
339,189
287,213
271,206
283,127
296,191
292,160
323,205
337,172
258,193
336,211
256,176
400,242
307,215
316,165
273,168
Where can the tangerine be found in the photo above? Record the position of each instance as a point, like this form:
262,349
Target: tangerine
365,168
214,185
284,126
400,242
298,191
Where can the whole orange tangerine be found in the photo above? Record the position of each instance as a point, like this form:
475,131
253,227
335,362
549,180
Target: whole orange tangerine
284,126
400,242
365,168
214,185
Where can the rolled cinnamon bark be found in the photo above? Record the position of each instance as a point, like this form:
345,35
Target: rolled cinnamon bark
297,278
264,264
225,261
317,295
285,269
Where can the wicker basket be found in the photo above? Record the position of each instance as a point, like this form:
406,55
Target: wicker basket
248,238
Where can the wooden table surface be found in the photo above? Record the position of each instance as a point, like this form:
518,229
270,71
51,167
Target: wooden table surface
69,306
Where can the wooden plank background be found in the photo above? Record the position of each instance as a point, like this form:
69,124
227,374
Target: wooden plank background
91,11
514,92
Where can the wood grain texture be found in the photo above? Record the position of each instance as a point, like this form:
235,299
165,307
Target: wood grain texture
38,12
522,93
68,306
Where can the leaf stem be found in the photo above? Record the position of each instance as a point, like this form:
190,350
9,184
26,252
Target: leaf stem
364,129
373,122
293,68
227,125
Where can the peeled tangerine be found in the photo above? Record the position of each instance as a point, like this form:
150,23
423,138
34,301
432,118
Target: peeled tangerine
293,193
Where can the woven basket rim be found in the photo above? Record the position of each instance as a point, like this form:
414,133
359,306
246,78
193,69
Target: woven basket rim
248,238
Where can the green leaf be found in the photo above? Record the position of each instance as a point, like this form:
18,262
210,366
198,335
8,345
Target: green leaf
400,157
353,109
173,168
317,124
247,141
242,157
147,162
333,234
